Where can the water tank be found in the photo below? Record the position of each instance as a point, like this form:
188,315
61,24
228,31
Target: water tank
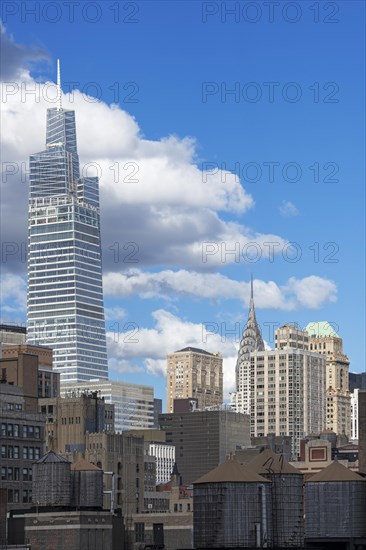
87,485
287,498
335,504
51,481
232,508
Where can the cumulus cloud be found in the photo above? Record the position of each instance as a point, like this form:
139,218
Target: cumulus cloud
288,209
15,56
312,292
309,292
153,193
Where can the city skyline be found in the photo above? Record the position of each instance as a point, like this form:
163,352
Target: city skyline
177,263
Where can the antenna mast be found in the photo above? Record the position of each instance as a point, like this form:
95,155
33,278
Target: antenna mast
59,91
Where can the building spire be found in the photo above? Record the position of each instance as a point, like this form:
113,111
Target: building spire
59,91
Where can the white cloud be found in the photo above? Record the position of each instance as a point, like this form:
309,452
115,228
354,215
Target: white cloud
309,292
132,170
171,209
114,313
312,292
288,209
117,366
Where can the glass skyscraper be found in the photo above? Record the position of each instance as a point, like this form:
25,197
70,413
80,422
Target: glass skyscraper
65,308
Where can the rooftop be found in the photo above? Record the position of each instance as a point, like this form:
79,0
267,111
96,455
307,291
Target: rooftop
13,328
83,465
51,457
268,462
194,350
335,472
320,329
231,472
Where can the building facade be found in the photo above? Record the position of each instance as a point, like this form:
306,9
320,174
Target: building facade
362,430
12,334
251,341
22,442
354,415
196,373
31,368
288,394
323,339
291,336
70,418
133,403
203,439
357,380
65,309
122,454
162,452
158,409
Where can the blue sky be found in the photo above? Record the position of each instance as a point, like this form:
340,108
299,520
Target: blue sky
293,133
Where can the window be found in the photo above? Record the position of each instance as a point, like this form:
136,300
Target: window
27,495
139,532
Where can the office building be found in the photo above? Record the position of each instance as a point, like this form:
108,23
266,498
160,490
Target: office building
323,339
251,341
203,439
122,454
163,452
158,409
357,380
288,393
291,336
133,403
196,373
70,418
12,334
30,367
22,442
65,308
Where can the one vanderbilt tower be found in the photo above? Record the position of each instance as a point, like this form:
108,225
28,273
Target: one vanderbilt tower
65,308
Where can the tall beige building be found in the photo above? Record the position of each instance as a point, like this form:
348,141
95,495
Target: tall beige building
288,389
194,373
323,339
